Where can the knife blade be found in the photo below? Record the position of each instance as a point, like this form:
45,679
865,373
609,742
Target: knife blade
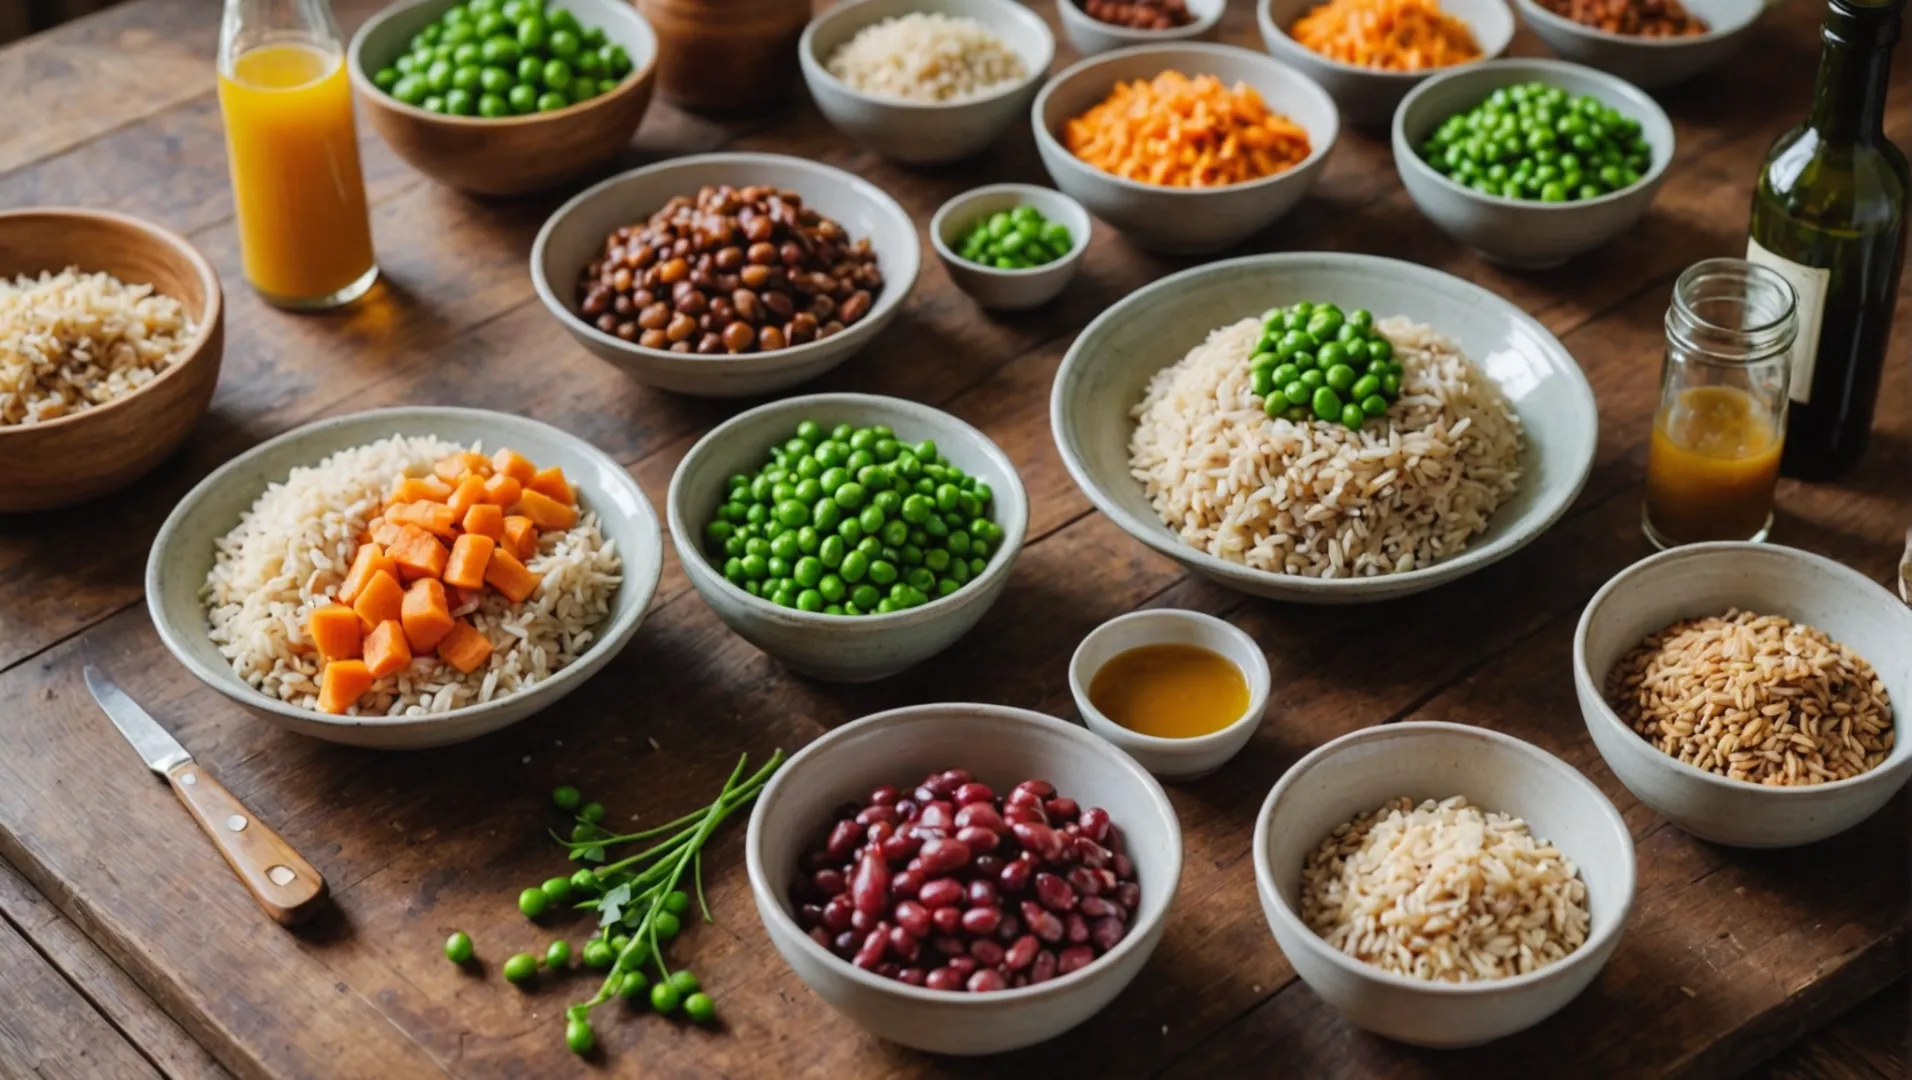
282,882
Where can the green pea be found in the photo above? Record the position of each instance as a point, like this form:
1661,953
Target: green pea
386,78
1313,378
557,954
1285,374
577,1035
1327,404
855,565
1332,354
1380,349
1390,384
532,902
634,986
557,890
882,573
557,76
502,51
521,968
1352,417
1340,377
1365,385
565,797
664,998
460,102
552,101
1297,393
1374,405
458,947
584,881
700,1008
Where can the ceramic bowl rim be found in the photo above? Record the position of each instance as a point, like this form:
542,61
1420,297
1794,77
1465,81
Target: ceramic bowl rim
1534,13
1260,684
964,198
817,67
1598,939
1085,742
1069,13
1265,17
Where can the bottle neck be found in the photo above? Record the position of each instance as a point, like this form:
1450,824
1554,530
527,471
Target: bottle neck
1855,66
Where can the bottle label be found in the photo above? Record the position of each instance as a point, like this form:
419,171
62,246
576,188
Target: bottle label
1809,284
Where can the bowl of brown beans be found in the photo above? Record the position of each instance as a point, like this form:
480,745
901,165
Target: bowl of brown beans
998,875
1096,26
1649,43
726,275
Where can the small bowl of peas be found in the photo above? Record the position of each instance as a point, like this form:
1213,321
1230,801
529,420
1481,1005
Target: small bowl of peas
505,97
1011,246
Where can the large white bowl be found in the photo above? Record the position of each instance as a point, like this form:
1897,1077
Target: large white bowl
1104,373
575,234
182,555
841,648
1189,220
1707,579
1354,775
1090,35
1003,747
1009,290
1524,233
924,132
1649,63
1367,96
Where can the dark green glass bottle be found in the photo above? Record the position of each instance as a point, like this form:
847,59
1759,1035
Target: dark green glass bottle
1829,216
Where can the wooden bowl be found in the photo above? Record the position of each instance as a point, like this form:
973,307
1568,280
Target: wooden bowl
83,456
511,155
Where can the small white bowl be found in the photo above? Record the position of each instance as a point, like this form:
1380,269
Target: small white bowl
1367,96
1090,35
924,132
1649,63
1003,747
1009,290
1706,579
575,234
1355,774
1173,219
840,648
1172,759
1524,233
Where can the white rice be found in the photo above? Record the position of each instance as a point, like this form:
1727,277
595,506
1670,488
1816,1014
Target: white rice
926,57
70,341
290,552
1444,892
1314,498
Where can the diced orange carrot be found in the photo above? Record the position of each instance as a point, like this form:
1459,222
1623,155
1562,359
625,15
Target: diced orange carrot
380,600
457,599
475,462
334,630
485,519
510,577
433,517
469,493
503,490
386,533
546,512
450,469
470,554
365,535
465,648
420,489
521,536
426,616
370,556
508,462
551,482
386,649
342,683
418,554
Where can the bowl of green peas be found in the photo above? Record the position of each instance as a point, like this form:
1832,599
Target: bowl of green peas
1011,246
505,97
1531,162
850,536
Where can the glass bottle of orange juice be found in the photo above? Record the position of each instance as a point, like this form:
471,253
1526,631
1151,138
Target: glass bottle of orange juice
305,237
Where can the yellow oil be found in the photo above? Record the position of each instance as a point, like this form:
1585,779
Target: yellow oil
1171,691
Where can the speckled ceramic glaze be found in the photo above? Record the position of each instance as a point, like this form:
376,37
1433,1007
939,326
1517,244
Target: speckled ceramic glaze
182,555
1366,96
1090,35
1009,290
1648,63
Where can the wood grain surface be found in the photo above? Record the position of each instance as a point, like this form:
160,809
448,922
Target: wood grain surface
1730,956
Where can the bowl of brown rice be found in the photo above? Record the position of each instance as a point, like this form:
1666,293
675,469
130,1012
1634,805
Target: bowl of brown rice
1749,693
1488,443
250,553
1441,884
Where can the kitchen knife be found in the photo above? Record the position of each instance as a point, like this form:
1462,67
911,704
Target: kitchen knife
284,884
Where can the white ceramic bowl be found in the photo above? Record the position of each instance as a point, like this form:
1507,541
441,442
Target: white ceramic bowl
1524,233
924,132
1009,290
841,648
1707,579
575,234
1090,35
1354,775
1187,220
1003,747
182,555
1367,96
1172,759
1105,372
1648,63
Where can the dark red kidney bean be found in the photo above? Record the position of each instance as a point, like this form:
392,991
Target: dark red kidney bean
949,920
1116,841
885,795
956,778
1095,823
986,981
843,840
923,795
1023,952
1074,958
1055,893
1092,854
940,892
907,808
913,864
875,944
903,944
1044,968
964,964
913,917
1024,799
1061,808
1075,928
1071,830
923,834
809,916
973,792
1010,928
836,913
943,856
1015,877
986,952
981,816
821,936
1096,907
846,943
879,832
829,882
987,865
1017,982
937,814
862,923
870,815
1091,882
950,945
906,884
1045,843
938,785
1042,922
944,978
900,848
915,976
1124,869
982,920
1041,789
977,838
982,893
1027,815
870,889
889,969
1106,932
1129,895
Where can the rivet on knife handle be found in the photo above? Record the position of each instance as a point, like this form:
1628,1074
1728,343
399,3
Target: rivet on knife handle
285,885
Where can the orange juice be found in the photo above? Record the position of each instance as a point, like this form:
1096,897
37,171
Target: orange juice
1712,467
304,235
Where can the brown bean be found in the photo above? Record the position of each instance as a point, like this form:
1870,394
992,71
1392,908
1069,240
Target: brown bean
770,339
676,270
650,339
738,336
829,329
803,323
781,305
607,322
693,303
710,344
761,254
730,257
754,276
623,304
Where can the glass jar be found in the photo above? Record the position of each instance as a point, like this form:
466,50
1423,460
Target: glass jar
1721,423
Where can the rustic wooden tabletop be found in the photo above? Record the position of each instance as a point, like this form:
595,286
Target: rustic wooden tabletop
130,951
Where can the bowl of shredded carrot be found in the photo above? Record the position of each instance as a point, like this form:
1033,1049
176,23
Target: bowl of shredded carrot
1185,147
1369,53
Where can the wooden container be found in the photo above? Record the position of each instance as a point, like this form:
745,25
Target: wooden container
101,449
726,56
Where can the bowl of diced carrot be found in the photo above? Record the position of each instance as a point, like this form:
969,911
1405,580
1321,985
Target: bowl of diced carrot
1369,53
1187,147
405,578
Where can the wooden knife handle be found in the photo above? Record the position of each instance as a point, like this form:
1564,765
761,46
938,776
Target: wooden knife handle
284,884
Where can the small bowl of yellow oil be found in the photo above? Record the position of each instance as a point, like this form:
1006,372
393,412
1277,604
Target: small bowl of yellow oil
1178,691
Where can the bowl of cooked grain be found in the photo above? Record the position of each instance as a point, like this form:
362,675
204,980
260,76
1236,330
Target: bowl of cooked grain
115,328
1747,692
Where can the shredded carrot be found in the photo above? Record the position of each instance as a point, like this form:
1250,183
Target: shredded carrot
1181,132
1391,35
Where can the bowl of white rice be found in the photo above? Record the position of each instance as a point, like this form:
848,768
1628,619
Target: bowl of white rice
925,81
1441,884
1489,442
252,550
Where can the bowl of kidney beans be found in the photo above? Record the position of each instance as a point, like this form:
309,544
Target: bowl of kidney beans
964,908
726,274
1097,26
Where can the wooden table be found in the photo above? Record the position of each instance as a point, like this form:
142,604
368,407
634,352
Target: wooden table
131,951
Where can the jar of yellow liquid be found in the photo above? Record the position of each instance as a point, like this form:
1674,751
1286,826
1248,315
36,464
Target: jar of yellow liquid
305,237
